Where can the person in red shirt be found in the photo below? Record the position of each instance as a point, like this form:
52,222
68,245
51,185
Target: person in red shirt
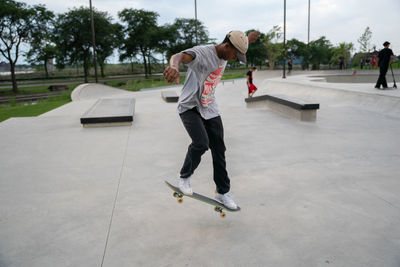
252,88
374,59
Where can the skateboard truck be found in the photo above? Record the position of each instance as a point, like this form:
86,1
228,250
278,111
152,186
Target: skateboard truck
220,210
179,197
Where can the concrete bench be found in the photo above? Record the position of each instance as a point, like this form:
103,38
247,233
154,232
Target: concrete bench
289,106
110,112
169,96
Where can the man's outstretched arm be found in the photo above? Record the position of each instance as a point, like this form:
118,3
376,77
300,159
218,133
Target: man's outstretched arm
171,73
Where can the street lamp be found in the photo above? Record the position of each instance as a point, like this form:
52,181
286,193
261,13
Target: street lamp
195,22
284,39
93,40
308,38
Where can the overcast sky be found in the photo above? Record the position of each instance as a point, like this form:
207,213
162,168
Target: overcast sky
337,20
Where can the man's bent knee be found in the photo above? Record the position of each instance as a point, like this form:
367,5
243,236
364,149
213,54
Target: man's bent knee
200,147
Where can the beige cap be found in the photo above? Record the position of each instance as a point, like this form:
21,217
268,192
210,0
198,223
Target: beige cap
240,42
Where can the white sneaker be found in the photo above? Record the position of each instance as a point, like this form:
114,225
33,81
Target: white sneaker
184,185
227,200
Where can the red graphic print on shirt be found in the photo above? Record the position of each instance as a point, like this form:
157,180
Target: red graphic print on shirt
209,85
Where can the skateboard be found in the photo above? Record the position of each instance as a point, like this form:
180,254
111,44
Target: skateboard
218,206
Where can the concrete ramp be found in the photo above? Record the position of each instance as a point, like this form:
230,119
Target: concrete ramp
93,91
110,112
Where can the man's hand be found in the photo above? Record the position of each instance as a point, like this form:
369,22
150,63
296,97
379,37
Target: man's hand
253,36
171,74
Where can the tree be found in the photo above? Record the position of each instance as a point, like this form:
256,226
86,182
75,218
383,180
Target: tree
17,21
74,37
343,49
42,46
272,45
298,49
157,38
320,52
257,52
108,37
168,34
140,32
142,36
184,36
364,40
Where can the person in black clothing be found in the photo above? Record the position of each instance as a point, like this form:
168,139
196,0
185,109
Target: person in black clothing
290,65
341,62
385,57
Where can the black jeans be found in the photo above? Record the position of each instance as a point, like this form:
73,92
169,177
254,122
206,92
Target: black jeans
205,134
382,77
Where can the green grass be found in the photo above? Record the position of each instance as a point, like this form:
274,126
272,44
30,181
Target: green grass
135,85
234,75
396,65
20,109
32,110
31,90
24,90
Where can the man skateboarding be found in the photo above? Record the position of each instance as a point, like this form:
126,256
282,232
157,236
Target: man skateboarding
199,111
385,57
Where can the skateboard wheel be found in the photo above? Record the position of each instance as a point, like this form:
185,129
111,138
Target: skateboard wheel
175,194
223,215
180,200
217,209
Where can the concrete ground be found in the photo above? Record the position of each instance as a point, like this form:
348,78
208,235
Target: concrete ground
324,193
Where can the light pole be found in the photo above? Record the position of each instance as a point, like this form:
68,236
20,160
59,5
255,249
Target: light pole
195,22
308,38
284,39
93,40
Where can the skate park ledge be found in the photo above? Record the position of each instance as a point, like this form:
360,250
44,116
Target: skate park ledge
109,112
169,96
288,106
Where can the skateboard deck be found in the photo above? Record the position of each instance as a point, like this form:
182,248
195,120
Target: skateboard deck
218,206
